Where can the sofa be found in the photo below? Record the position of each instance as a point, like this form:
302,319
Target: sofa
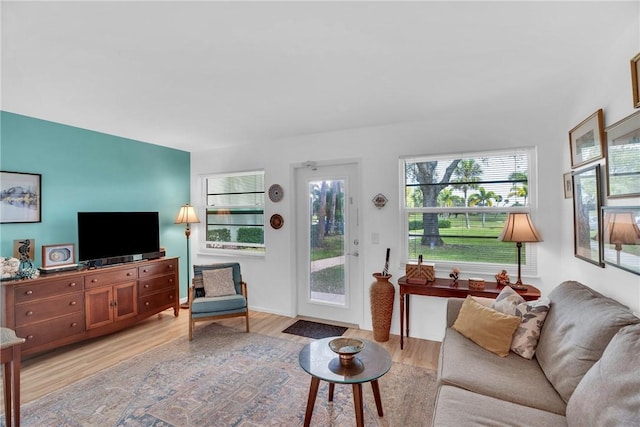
585,370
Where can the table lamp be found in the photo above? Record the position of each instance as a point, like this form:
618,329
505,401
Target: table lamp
519,228
187,215
621,229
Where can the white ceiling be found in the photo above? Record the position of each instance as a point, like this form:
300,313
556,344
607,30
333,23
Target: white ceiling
199,75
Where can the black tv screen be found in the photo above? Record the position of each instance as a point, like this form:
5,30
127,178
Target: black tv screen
116,237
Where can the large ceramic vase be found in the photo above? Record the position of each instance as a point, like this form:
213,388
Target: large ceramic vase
381,294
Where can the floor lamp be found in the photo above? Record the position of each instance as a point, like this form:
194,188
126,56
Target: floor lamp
187,215
519,229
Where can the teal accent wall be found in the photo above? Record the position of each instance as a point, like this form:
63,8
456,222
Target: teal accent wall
83,170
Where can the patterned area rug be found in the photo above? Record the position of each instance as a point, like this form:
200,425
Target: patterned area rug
314,330
225,377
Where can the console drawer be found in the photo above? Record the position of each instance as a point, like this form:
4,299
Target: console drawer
154,301
51,330
162,267
149,286
38,290
49,308
110,277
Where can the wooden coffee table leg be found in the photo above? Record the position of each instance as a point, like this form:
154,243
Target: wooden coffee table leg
376,396
331,387
313,392
357,403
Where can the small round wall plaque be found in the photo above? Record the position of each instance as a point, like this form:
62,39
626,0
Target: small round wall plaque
276,193
276,221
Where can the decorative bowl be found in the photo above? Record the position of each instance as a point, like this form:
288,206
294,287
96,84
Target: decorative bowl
346,348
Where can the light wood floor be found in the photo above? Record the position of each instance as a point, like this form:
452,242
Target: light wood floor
45,373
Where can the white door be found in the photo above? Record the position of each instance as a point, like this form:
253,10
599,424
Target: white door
328,263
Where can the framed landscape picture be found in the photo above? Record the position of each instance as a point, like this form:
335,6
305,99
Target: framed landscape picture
20,197
586,215
623,157
586,140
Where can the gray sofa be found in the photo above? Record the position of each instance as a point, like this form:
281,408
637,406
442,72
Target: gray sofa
585,372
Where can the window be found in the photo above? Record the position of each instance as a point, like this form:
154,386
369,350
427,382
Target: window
235,211
455,207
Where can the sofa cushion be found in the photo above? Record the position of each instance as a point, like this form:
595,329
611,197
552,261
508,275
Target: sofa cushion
515,379
210,306
578,327
609,393
458,407
487,327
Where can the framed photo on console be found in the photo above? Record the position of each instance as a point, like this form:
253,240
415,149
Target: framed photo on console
58,256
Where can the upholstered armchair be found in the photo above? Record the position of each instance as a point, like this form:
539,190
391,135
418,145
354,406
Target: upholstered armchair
217,292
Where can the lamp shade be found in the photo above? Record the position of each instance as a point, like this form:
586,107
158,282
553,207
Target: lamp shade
621,229
519,228
187,215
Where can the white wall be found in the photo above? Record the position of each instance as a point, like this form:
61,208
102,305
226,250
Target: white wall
271,279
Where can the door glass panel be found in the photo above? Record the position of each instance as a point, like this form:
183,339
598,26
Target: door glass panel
327,283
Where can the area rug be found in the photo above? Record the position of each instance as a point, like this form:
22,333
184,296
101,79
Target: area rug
314,330
225,377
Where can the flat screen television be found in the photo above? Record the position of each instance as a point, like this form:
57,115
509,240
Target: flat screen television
106,238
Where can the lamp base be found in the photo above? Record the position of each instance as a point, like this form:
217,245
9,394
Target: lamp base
518,286
184,306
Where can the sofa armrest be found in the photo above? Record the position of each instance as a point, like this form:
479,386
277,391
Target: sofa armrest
453,308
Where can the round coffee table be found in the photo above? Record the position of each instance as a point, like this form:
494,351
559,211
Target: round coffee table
317,359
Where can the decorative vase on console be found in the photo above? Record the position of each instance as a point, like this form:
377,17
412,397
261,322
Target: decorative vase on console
382,294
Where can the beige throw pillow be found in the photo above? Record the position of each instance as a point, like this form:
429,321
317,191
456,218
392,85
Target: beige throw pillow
487,327
218,282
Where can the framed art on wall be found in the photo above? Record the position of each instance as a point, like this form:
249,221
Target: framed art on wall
20,197
586,215
57,256
568,185
635,80
623,157
586,140
621,237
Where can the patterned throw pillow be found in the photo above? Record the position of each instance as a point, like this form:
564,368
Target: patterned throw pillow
218,282
507,301
532,315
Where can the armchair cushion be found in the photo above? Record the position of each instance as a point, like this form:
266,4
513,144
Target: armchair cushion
237,278
218,282
213,305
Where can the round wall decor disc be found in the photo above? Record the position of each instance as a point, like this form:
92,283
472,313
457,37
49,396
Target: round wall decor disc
275,193
276,221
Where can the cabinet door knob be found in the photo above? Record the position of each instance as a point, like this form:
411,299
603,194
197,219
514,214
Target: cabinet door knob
170,296
29,313
94,280
146,286
145,270
29,337
171,280
129,274
146,303
72,284
74,324
72,303
29,293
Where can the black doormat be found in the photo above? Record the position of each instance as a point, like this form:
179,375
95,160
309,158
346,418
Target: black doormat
314,330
